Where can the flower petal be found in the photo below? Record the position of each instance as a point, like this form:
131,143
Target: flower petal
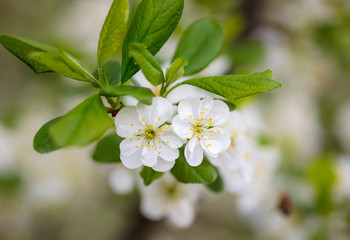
126,122
130,145
181,128
205,107
182,214
166,152
193,153
156,114
121,180
187,108
149,155
219,112
215,143
163,165
133,161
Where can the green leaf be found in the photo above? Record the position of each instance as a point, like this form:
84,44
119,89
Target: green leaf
43,142
143,94
183,172
149,175
148,64
323,177
107,149
200,44
233,87
44,58
61,62
111,73
83,124
22,47
218,185
230,105
176,70
113,31
152,25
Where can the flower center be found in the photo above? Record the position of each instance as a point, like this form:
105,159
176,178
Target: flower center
150,134
200,125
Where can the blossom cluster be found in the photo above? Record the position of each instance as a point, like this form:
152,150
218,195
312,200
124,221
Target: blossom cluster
154,133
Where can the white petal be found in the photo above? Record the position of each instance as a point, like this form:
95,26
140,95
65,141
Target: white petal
193,153
151,207
167,153
163,166
219,112
129,146
211,147
121,180
156,114
205,107
133,161
182,214
126,122
181,128
215,143
172,140
187,108
163,111
149,156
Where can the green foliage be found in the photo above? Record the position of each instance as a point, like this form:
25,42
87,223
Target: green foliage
149,175
152,25
148,64
44,58
83,124
61,62
323,177
183,172
10,182
43,142
200,44
22,47
143,94
218,185
233,87
113,31
107,149
110,73
176,70
230,105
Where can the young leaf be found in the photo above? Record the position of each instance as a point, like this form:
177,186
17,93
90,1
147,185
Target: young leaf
83,124
148,64
149,175
230,105
233,87
44,58
176,70
111,73
61,62
113,31
22,47
218,185
200,44
143,94
107,149
43,142
183,172
152,25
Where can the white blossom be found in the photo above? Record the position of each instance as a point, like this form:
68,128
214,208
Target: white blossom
235,164
149,138
198,121
169,199
121,180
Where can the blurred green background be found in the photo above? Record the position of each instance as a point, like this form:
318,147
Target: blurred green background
65,195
